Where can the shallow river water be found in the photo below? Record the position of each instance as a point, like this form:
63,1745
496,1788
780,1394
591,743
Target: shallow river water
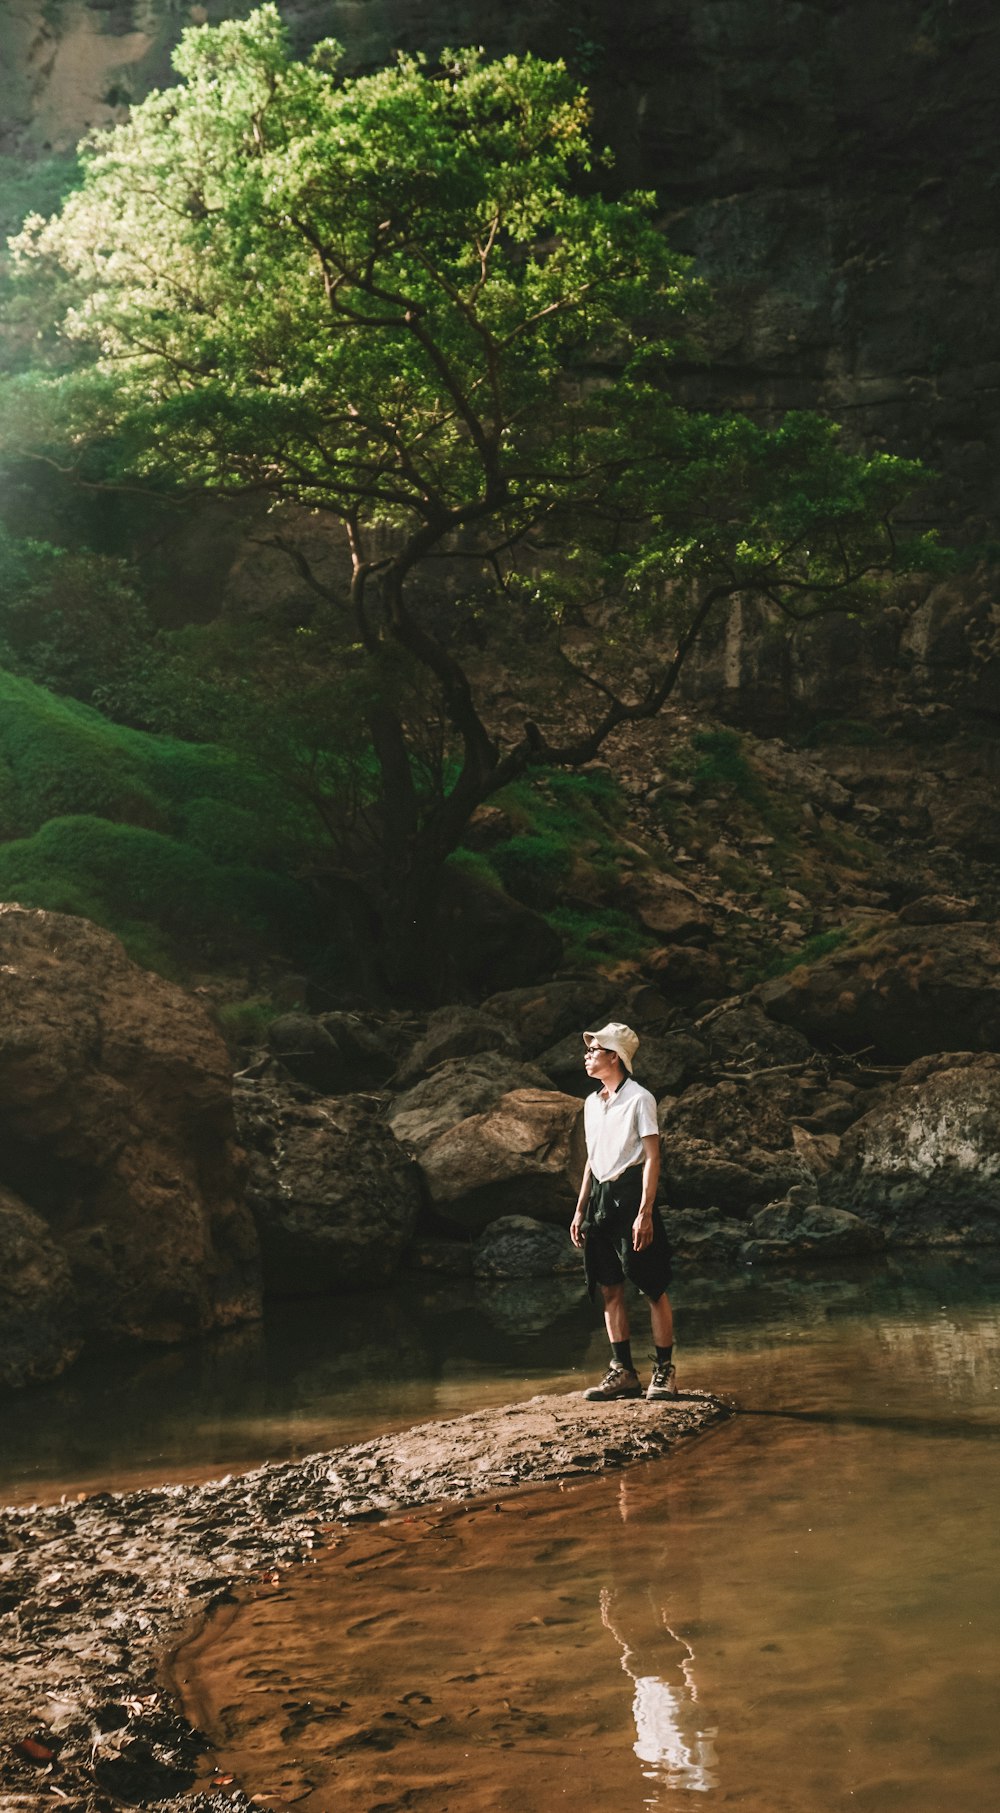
800,1613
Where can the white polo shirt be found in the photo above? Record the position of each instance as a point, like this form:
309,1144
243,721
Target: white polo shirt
615,1128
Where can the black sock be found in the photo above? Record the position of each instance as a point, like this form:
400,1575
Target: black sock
622,1351
664,1355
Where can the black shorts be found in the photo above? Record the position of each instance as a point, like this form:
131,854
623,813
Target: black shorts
608,1254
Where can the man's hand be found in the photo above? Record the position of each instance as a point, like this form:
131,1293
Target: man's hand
576,1232
642,1230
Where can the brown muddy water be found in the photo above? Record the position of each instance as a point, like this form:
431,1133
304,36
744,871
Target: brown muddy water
798,1614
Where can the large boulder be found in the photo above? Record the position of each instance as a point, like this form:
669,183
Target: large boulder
801,1227
525,1155
455,1090
335,1053
924,1164
667,908
542,1015
906,992
115,1093
740,1036
38,1332
731,1146
334,1195
456,1032
515,1246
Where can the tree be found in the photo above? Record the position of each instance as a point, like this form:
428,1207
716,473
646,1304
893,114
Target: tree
401,301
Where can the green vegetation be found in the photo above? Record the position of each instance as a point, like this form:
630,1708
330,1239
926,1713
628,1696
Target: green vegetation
599,934
403,304
177,847
74,621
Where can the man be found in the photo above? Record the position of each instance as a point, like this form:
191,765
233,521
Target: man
617,1223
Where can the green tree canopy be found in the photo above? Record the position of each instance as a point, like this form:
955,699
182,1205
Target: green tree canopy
402,301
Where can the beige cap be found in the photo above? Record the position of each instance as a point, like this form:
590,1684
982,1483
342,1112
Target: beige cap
618,1038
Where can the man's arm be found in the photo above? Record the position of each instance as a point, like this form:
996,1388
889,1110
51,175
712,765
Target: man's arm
642,1226
576,1232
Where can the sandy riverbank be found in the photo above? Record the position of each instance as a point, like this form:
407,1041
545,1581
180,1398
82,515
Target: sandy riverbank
94,1593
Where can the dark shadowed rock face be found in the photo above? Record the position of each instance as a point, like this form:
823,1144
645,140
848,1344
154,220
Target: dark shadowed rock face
731,1146
116,1130
515,1246
924,1164
456,1032
38,1324
334,1195
908,991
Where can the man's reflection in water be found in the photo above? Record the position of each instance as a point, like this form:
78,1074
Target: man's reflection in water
670,1742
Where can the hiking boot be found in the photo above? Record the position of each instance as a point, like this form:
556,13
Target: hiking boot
618,1382
663,1383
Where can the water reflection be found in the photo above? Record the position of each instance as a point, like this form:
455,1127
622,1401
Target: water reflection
669,1740
317,1374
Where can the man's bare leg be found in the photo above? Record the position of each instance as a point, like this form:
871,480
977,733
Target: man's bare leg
615,1312
661,1317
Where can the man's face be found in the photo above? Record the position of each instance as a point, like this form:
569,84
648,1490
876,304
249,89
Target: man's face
602,1065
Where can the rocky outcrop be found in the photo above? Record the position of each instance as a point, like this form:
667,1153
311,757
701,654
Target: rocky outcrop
542,1015
456,1032
515,1246
454,1091
801,1227
334,1195
903,993
731,1146
525,1155
116,1132
924,1165
333,1053
667,908
38,1331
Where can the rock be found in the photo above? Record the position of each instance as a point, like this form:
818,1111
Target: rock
540,1016
684,974
741,1036
835,1109
456,1032
515,1246
935,909
787,768
802,1227
909,990
454,1091
334,1196
924,1164
522,1307
666,907
368,1048
116,1097
38,1333
818,1151
704,1240
524,1155
438,1259
309,1053
731,1144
